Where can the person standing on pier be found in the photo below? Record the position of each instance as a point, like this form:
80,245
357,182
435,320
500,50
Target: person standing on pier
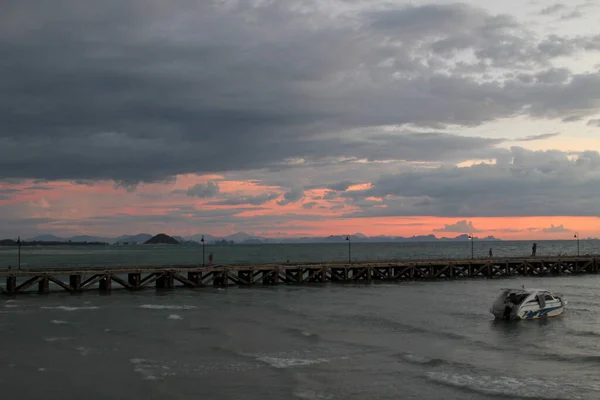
490,252
210,259
533,249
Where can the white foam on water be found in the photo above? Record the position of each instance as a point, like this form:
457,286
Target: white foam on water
56,339
65,308
58,322
174,316
524,388
283,362
151,370
415,358
10,301
310,395
11,306
84,351
166,307
106,330
41,369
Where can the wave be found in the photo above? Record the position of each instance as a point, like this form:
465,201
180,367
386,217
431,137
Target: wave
310,395
56,339
174,317
302,333
430,362
66,308
579,310
576,332
166,307
58,322
503,386
287,362
388,324
84,351
572,358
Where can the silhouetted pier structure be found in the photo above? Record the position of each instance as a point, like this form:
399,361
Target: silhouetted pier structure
105,279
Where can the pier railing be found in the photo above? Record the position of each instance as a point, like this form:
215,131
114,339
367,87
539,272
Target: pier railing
105,279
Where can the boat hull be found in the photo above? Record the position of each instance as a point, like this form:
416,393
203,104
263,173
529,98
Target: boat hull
524,305
549,312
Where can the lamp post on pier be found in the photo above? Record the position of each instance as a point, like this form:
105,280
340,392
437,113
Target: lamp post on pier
577,237
203,259
472,243
349,251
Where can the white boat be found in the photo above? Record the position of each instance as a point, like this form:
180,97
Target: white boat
515,304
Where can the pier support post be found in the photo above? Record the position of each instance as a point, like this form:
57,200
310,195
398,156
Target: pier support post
195,277
44,285
75,282
220,278
134,279
11,284
105,284
165,281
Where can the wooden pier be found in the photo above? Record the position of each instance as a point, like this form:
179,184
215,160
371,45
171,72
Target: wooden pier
74,280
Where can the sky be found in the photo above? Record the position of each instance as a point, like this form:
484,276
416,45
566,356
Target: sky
300,118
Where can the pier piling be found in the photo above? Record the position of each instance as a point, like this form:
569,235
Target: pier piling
195,276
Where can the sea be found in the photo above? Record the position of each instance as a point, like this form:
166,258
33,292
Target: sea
404,340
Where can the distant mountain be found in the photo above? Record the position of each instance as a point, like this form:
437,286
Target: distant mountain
207,238
46,238
246,238
132,239
85,238
241,237
161,238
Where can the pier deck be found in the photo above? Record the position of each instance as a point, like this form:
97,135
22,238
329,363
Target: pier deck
105,279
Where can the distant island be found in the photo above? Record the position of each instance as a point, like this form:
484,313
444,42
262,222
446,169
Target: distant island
10,242
239,238
161,238
234,239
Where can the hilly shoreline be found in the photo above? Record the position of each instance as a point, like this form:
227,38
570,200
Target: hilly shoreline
237,238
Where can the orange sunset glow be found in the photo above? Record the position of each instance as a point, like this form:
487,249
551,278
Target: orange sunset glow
62,206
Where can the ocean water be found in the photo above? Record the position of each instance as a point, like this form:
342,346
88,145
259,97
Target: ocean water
70,256
405,340
425,340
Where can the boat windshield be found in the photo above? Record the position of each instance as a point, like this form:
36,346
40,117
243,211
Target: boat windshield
516,297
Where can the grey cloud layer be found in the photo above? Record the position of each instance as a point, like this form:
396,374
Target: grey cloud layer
525,183
141,91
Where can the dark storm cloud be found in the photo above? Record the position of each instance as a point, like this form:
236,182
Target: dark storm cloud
203,190
293,196
309,205
140,91
343,185
241,200
331,195
539,183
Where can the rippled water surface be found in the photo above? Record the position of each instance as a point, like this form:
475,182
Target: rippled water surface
429,340
59,256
